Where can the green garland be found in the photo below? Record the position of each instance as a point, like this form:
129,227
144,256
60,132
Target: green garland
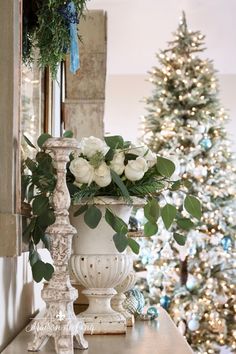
45,29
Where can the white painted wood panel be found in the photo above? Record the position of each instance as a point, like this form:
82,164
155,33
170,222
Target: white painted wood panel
10,56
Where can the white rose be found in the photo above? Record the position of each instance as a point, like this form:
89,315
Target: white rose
137,150
151,158
135,169
102,175
90,146
117,163
146,153
82,170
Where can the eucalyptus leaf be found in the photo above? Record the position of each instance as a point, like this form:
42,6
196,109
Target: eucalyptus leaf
118,225
92,216
152,210
114,142
44,182
44,160
40,204
129,156
127,144
46,240
150,229
72,188
25,182
187,183
29,142
46,218
42,138
176,185
30,193
38,270
180,239
29,228
48,271
158,185
38,233
165,166
133,245
185,223
68,134
32,166
168,213
193,206
121,242
109,155
34,257
81,210
31,246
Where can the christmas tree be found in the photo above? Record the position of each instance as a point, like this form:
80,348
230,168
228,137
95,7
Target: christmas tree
195,282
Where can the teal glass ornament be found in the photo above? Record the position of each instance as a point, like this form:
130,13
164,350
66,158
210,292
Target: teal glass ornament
226,242
206,143
135,301
152,312
165,301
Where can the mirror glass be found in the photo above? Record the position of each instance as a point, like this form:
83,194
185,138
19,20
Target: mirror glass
32,105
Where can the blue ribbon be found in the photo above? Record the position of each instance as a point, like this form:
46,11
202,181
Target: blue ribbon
70,15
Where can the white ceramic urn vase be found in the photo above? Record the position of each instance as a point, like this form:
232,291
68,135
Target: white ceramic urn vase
99,266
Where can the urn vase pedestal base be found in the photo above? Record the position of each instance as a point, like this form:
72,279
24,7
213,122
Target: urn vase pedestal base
100,274
100,318
118,300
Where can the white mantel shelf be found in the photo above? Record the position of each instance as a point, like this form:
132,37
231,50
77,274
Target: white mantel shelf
144,338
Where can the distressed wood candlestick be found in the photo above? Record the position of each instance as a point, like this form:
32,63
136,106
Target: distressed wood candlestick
59,320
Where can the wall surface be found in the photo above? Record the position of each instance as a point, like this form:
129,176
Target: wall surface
85,91
19,296
137,29
124,104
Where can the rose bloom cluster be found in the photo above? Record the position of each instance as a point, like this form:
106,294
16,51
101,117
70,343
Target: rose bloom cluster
90,164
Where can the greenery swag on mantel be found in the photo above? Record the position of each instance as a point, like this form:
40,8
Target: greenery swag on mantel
114,168
46,30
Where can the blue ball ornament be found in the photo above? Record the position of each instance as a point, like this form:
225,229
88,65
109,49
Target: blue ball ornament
226,242
206,143
145,259
165,301
193,325
192,284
